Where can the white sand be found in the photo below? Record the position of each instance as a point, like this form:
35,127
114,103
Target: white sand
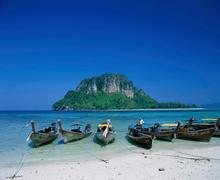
135,166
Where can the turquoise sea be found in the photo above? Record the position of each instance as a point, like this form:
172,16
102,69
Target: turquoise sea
14,130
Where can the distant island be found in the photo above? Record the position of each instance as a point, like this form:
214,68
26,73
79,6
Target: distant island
110,92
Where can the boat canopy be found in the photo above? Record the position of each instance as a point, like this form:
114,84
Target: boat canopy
210,119
104,125
169,125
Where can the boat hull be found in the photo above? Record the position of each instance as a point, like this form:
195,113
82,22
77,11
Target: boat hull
205,126
198,135
39,139
105,140
69,136
166,135
217,133
145,140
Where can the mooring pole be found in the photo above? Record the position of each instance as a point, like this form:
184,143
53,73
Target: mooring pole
59,124
33,126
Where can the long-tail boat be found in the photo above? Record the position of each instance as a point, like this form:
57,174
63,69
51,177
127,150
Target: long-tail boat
188,133
139,138
206,123
158,131
75,133
105,133
142,128
44,136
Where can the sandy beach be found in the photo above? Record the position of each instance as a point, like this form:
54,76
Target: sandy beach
199,163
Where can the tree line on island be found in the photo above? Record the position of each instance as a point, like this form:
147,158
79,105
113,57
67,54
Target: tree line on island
110,91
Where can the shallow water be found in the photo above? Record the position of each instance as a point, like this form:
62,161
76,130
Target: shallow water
13,134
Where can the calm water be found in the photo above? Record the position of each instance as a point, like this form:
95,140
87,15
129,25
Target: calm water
13,134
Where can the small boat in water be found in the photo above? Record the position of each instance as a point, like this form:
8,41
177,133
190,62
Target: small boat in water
105,133
75,133
139,138
164,131
44,136
189,133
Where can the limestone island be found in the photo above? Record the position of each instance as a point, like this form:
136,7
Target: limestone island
110,92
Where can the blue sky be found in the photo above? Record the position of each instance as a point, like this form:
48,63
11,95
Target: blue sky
171,49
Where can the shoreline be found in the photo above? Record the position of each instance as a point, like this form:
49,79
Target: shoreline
142,164
39,155
112,110
132,110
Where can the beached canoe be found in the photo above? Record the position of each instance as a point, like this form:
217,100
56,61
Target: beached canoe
140,139
44,136
75,133
196,135
105,133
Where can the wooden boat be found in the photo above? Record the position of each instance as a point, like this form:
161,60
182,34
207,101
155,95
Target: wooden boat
44,136
217,132
163,132
207,123
192,134
142,129
105,133
157,131
141,139
75,133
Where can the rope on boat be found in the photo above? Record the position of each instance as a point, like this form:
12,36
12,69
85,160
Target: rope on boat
26,125
21,162
183,157
19,166
100,159
216,159
198,158
135,151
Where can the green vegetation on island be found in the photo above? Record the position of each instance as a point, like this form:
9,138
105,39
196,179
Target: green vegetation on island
110,91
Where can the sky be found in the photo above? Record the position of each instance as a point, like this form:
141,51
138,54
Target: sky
170,49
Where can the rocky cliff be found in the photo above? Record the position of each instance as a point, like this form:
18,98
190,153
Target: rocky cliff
109,91
108,83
